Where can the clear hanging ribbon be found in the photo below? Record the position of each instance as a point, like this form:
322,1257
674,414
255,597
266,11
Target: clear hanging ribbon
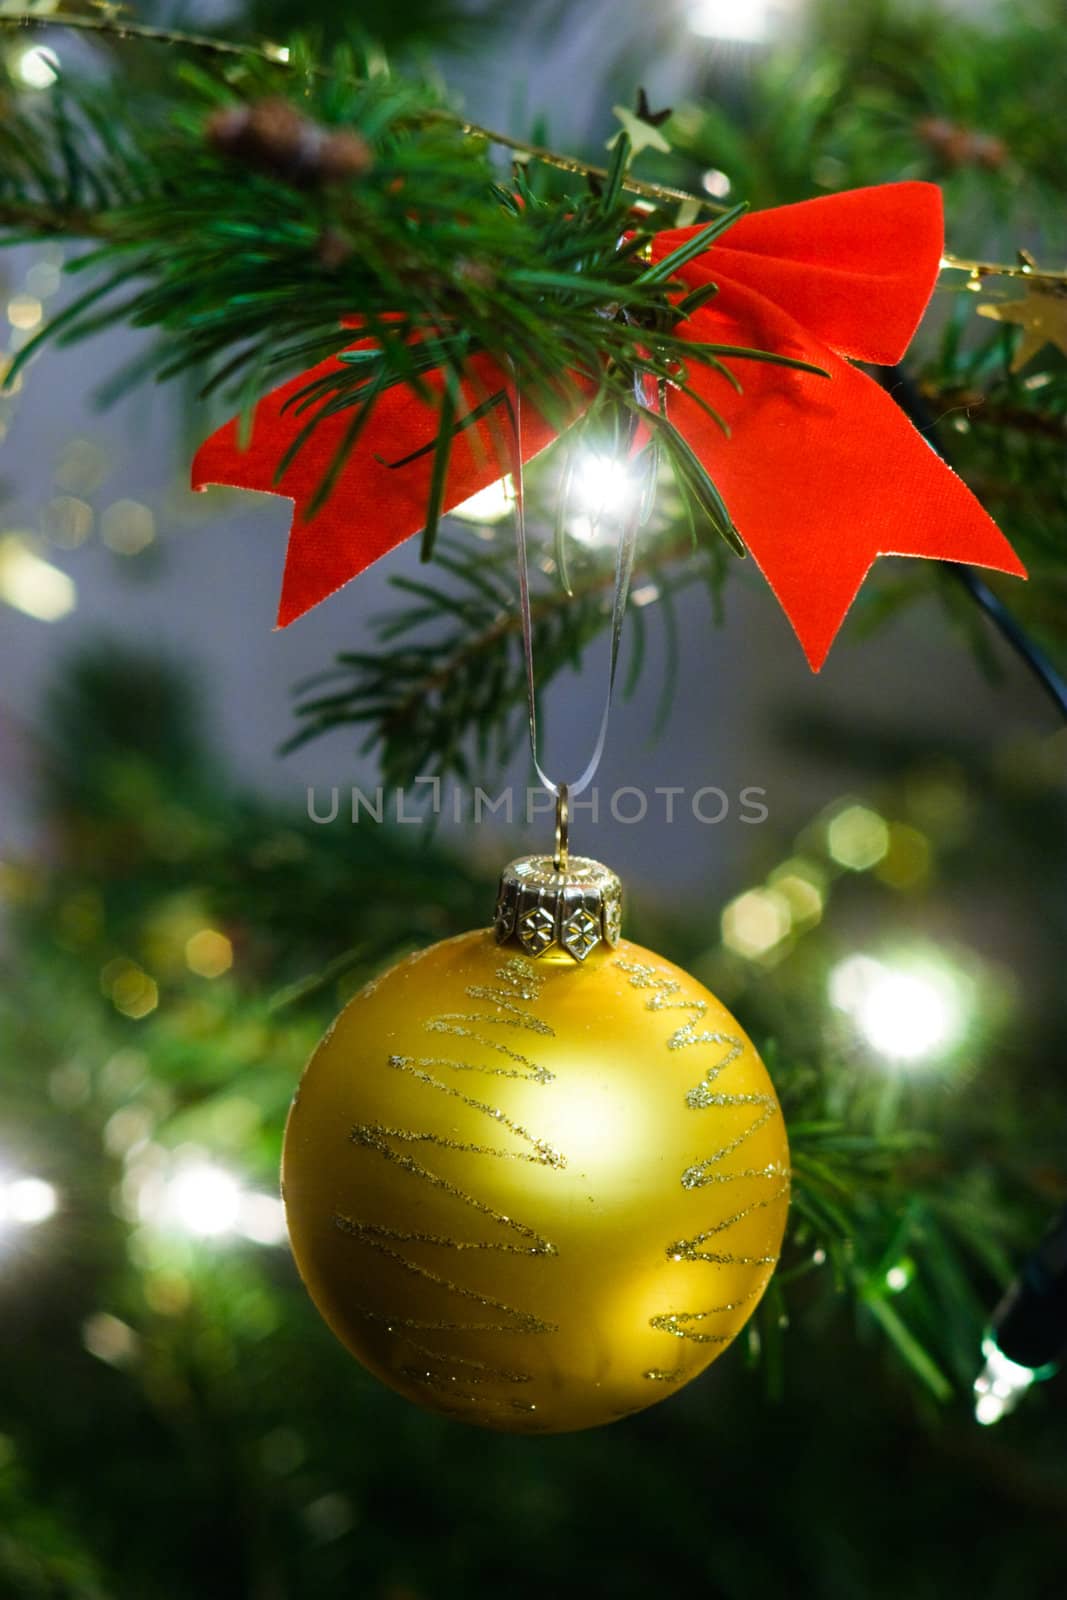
624,561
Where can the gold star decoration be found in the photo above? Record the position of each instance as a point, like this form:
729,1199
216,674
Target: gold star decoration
642,126
1042,315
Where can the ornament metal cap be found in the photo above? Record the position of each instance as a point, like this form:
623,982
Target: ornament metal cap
559,904
546,910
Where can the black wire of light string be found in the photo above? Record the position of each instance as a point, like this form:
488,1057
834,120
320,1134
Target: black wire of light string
1029,1325
906,393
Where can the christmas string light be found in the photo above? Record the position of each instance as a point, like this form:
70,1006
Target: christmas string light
489,506
32,585
907,395
188,1193
37,67
25,1202
1028,1337
204,1201
737,21
906,1013
1027,1340
600,486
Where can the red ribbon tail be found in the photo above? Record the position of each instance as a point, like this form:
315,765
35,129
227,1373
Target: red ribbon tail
381,493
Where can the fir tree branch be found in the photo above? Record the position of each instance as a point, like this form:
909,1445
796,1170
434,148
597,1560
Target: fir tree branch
120,30
425,699
911,400
1025,268
38,221
984,411
233,235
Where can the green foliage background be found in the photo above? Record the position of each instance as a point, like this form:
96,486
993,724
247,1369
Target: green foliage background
221,1444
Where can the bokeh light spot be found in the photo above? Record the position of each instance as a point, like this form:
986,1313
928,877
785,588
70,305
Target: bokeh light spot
757,921
857,838
209,953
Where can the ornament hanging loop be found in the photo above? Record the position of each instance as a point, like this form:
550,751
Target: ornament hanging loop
624,562
562,856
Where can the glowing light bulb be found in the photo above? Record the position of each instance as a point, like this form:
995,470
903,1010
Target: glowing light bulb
262,1219
601,488
904,1014
26,1201
37,67
1000,1385
203,1200
31,585
746,21
489,505
716,182
602,484
31,1200
24,312
188,1193
988,1408
899,1276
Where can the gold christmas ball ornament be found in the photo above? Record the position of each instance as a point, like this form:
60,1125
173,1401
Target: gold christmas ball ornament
536,1177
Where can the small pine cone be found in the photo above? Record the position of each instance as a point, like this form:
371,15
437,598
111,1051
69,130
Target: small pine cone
479,274
271,136
946,139
937,132
989,151
344,155
959,147
334,249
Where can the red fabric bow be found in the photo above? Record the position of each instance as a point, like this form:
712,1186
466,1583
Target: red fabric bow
820,476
